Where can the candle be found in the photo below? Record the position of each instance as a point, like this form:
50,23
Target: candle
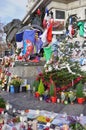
58,100
10,106
81,115
22,112
7,106
34,125
65,127
26,125
21,118
14,110
48,124
37,111
40,98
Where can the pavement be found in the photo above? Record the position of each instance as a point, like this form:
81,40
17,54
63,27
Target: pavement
26,100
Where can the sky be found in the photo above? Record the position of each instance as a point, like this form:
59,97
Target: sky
12,9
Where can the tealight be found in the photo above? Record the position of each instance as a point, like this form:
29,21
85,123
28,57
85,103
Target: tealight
81,115
22,112
14,110
40,98
21,118
7,106
37,111
48,124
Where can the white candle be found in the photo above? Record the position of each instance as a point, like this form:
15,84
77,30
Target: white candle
58,100
10,106
22,112
21,118
7,106
37,111
26,125
48,124
34,125
81,115
14,110
40,98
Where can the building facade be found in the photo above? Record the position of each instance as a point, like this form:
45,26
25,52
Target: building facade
62,9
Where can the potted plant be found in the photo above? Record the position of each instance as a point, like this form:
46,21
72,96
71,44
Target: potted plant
52,92
79,93
41,88
16,82
2,103
0,82
46,94
35,88
35,85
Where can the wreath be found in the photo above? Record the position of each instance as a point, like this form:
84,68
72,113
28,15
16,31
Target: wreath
72,19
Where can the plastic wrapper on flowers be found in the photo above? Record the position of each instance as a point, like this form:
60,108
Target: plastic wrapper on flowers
16,81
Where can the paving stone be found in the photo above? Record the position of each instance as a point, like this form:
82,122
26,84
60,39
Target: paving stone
75,109
84,110
26,100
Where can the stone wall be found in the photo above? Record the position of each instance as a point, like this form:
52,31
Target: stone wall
27,71
75,7
57,5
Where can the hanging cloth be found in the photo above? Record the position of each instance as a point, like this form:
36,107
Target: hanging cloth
29,39
49,33
47,52
81,28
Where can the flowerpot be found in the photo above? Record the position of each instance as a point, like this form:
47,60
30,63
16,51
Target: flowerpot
81,100
17,89
24,89
45,97
37,94
5,87
1,110
11,89
54,99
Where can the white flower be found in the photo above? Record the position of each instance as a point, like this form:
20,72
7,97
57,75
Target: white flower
45,65
49,68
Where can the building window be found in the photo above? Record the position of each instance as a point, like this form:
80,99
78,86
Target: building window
60,14
85,13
